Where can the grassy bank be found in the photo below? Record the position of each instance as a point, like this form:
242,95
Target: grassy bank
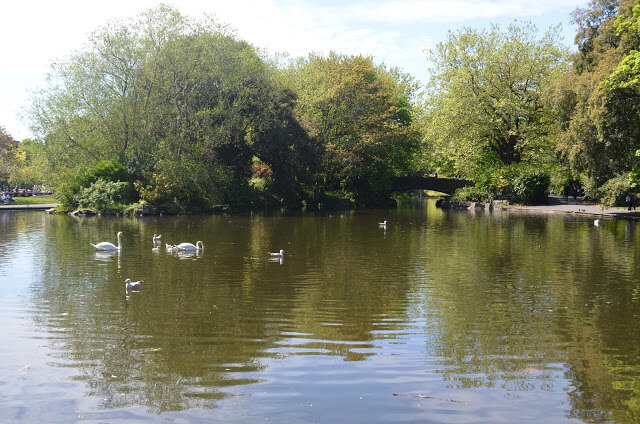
34,200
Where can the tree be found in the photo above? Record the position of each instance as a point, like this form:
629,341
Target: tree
181,104
9,156
359,115
484,106
599,102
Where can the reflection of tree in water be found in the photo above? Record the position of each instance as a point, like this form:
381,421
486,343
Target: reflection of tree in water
556,301
536,302
200,328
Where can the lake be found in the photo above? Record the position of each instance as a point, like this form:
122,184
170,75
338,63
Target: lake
441,317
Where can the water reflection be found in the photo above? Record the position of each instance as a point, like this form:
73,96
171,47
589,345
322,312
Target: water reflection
533,316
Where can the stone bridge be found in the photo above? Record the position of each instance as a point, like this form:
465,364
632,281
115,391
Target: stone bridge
443,185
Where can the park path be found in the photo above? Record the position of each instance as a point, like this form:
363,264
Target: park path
34,206
578,206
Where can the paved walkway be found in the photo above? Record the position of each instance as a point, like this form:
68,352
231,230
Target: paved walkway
34,206
578,206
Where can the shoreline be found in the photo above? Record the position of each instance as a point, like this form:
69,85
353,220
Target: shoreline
578,207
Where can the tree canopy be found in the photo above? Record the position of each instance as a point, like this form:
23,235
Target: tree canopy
9,158
360,117
599,101
189,115
188,110
183,105
484,104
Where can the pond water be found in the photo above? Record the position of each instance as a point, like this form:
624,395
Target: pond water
441,317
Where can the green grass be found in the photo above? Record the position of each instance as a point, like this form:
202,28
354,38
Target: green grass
33,200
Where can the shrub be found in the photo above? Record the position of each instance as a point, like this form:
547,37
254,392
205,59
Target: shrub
102,195
472,194
530,186
107,170
614,191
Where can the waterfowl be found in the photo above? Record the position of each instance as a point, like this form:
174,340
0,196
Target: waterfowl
188,246
596,222
105,245
279,254
382,224
157,238
132,286
169,247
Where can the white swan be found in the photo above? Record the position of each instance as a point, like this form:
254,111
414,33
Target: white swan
382,224
279,254
157,238
132,286
169,247
596,223
105,245
188,246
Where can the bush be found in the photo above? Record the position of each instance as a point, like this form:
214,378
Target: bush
530,186
613,192
103,195
105,170
472,194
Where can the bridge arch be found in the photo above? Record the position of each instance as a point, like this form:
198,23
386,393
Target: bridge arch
443,185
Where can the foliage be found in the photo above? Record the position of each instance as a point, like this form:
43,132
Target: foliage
612,192
105,170
182,104
360,120
531,186
108,170
521,182
472,194
599,102
102,195
9,155
484,106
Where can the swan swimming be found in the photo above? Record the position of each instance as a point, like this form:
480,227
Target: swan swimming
169,247
132,286
596,223
279,254
157,238
105,245
382,224
188,246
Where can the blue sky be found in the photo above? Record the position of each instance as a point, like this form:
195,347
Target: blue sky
396,32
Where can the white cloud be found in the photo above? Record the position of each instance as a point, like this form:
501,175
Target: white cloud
35,32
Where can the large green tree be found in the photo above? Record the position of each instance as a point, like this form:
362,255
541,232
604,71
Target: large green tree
599,102
359,116
10,158
182,104
484,104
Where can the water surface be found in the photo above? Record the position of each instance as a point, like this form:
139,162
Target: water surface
442,317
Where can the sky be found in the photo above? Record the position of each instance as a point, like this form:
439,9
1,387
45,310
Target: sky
397,33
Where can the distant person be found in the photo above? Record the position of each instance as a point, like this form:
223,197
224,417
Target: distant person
435,174
628,200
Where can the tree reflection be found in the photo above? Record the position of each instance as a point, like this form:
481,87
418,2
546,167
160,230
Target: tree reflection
512,303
